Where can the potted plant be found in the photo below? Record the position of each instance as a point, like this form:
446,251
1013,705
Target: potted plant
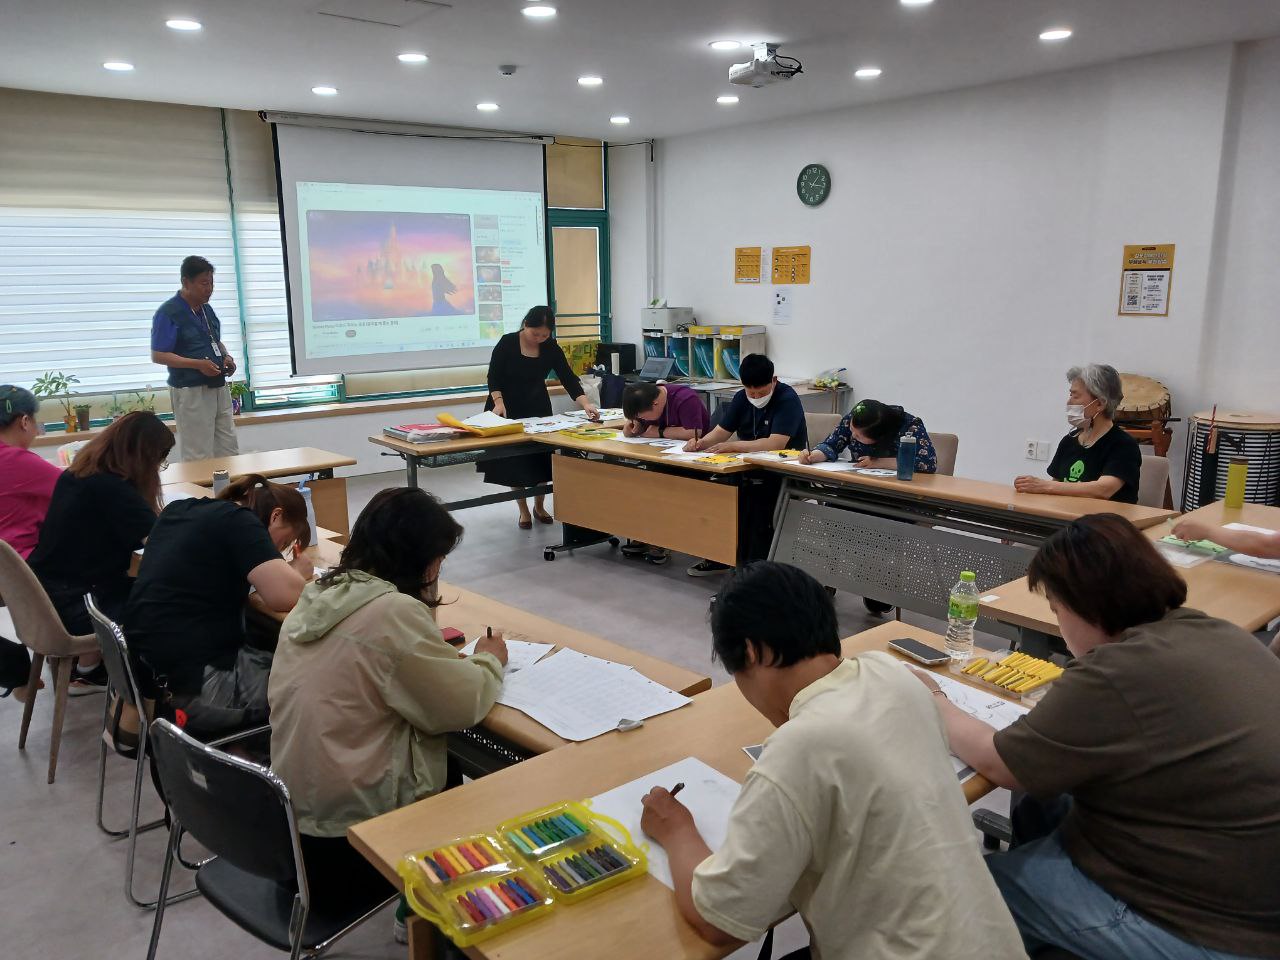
83,421
144,402
58,385
239,391
116,409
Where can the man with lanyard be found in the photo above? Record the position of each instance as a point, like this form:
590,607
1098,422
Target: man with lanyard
766,415
186,337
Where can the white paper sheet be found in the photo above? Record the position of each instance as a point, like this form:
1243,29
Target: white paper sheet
549,424
987,707
606,413
652,441
579,697
173,496
875,472
679,455
1256,563
834,466
1181,556
488,418
520,653
1247,528
707,792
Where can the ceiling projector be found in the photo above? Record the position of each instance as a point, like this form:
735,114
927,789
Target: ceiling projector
764,68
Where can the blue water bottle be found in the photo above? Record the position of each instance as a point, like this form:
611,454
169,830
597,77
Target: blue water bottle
906,457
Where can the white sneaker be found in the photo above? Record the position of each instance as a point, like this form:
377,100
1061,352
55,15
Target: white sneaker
400,930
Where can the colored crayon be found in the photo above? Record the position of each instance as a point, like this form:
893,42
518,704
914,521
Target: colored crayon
495,902
428,873
590,865
575,821
473,861
600,860
611,856
528,891
515,903
516,892
545,833
483,851
446,864
463,913
459,862
572,871
535,841
557,828
479,905
471,909
439,869
568,826
519,840
557,880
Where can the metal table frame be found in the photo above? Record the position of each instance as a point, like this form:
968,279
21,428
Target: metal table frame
413,461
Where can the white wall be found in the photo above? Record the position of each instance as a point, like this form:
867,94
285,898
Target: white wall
970,250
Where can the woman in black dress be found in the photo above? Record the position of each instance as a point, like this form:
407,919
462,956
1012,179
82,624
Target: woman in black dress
517,389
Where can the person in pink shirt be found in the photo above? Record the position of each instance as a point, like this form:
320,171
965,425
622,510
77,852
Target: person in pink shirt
25,491
668,411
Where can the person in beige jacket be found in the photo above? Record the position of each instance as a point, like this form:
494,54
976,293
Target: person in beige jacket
364,688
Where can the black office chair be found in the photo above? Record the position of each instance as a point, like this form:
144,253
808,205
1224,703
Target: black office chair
241,812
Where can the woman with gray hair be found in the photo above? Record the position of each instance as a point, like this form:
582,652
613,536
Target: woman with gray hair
1097,458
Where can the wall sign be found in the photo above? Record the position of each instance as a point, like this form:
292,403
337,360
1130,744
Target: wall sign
791,264
1146,280
746,264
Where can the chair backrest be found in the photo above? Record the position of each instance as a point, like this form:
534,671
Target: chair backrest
236,809
820,425
945,446
34,617
115,654
1151,484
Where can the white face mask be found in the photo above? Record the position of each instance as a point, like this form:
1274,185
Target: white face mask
761,402
1076,415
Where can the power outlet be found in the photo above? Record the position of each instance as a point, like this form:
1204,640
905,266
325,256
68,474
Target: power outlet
1042,450
1031,449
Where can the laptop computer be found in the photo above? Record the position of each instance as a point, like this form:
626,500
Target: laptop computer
657,368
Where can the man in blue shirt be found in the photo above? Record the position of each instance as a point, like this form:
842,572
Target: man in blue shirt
766,415
186,337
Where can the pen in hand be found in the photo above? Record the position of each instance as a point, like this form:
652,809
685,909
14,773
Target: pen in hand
677,788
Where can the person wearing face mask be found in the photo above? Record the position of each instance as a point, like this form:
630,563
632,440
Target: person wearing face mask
1097,458
766,415
364,690
517,381
1160,745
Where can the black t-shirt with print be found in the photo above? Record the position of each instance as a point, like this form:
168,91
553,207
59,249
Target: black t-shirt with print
1114,454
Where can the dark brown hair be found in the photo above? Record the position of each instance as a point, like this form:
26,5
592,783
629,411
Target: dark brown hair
401,532
260,495
132,448
1107,573
638,397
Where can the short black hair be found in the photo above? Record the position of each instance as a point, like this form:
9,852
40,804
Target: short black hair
779,610
16,402
637,398
756,370
193,266
879,421
538,317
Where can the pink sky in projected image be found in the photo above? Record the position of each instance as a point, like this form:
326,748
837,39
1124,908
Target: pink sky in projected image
377,266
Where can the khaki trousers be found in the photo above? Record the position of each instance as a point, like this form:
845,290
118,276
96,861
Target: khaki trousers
203,417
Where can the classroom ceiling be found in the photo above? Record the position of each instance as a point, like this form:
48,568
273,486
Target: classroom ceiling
653,55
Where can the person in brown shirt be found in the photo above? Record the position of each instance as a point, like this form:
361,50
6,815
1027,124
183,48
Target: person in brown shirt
1162,732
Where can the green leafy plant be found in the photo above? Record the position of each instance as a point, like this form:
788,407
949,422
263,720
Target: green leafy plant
142,401
58,385
238,389
116,409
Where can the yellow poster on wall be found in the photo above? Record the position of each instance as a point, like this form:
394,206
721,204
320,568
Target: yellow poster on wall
791,265
746,265
1146,280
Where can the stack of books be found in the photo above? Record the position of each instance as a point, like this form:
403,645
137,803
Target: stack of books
423,432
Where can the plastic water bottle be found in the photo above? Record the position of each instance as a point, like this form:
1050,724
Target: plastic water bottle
907,448
962,614
221,480
311,510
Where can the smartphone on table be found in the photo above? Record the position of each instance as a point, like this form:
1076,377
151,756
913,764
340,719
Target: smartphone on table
919,652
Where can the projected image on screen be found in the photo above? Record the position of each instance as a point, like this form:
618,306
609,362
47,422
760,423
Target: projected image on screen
377,266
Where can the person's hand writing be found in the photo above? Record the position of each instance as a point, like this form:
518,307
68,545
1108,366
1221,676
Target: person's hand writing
494,644
631,428
811,456
693,446
1193,530
665,818
865,462
208,368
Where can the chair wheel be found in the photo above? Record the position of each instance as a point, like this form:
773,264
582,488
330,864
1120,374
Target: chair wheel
548,554
614,542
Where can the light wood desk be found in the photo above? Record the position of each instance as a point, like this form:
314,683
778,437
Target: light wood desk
639,919
1248,598
328,493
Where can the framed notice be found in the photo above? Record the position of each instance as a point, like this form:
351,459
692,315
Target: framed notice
790,265
746,264
1146,279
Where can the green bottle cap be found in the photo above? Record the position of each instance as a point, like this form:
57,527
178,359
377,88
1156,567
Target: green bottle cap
968,575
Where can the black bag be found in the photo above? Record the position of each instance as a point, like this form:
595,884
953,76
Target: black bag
229,700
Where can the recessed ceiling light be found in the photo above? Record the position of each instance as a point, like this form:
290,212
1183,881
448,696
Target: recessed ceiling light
412,58
487,107
724,44
867,73
916,3
325,91
726,99
182,24
620,120
590,81
539,11
1056,33
119,66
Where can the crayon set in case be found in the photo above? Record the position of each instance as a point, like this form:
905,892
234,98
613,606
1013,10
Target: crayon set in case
576,852
472,889
479,886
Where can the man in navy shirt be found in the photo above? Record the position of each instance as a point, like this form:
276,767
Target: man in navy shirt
766,415
186,336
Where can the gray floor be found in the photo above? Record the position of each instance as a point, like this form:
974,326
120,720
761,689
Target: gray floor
61,880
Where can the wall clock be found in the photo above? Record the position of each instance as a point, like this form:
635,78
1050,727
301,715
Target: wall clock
813,185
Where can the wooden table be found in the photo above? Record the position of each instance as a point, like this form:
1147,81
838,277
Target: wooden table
905,542
638,919
1248,598
328,493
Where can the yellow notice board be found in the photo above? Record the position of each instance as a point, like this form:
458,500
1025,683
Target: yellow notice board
1146,280
746,264
790,264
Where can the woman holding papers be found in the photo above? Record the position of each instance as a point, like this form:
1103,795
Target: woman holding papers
518,372
1160,744
364,689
